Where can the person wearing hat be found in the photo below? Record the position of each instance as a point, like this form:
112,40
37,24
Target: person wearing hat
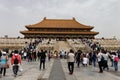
4,60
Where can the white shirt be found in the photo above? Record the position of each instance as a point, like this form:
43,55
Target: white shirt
71,57
105,56
99,56
25,54
113,56
85,60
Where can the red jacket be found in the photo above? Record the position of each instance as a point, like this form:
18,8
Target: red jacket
16,56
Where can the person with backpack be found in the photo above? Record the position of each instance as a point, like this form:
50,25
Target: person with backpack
116,59
15,61
3,63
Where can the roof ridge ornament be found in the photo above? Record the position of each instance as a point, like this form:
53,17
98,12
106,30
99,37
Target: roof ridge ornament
73,18
44,18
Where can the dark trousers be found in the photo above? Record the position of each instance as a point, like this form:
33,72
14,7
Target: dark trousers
100,66
78,63
112,62
105,65
90,61
15,69
42,62
1,71
71,67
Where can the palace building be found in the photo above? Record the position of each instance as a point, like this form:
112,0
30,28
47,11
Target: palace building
59,28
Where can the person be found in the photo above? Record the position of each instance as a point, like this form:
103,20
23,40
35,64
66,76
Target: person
116,59
42,59
100,61
49,55
105,61
3,60
85,61
94,58
38,55
35,55
71,60
112,58
16,62
77,56
90,58
25,55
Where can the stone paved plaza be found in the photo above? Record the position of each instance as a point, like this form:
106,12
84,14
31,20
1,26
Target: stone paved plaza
56,69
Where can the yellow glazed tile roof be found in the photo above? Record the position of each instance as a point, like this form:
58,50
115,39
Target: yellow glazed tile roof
59,23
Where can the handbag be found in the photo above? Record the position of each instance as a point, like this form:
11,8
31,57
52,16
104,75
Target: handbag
20,68
7,65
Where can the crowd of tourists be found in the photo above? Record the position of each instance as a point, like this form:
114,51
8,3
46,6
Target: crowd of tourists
15,57
28,54
98,55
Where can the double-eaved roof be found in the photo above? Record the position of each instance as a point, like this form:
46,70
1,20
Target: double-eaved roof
59,24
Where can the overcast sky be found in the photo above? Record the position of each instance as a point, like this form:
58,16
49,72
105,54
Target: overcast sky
104,15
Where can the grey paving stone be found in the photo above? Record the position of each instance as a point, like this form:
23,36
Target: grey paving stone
57,71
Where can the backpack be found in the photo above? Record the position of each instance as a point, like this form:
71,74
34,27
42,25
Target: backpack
43,56
102,58
16,60
116,59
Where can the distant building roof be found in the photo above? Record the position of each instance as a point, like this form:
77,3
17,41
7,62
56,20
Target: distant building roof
59,23
58,27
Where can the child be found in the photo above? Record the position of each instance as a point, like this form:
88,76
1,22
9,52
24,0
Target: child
85,61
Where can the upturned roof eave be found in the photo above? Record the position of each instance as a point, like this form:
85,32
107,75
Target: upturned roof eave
35,27
39,32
